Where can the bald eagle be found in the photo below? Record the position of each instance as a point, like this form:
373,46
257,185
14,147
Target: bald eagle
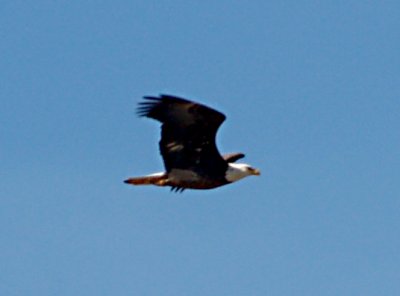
187,146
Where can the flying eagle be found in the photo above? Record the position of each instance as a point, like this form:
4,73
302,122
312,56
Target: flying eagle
187,146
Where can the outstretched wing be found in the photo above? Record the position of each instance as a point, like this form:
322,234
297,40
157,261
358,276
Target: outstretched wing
187,134
232,157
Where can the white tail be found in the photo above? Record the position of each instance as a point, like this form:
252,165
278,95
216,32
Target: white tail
158,179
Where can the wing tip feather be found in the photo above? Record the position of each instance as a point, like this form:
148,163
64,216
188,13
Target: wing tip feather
151,103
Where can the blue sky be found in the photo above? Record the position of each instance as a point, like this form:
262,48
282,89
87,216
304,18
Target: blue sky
311,92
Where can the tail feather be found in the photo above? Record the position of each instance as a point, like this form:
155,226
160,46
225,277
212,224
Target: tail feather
158,180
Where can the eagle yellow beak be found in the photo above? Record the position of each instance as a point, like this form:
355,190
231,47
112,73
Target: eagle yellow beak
256,172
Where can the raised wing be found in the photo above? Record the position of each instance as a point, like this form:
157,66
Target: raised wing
188,134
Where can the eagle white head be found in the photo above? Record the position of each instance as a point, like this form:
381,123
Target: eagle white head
237,171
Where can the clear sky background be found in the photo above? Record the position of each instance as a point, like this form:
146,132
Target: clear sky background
311,90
